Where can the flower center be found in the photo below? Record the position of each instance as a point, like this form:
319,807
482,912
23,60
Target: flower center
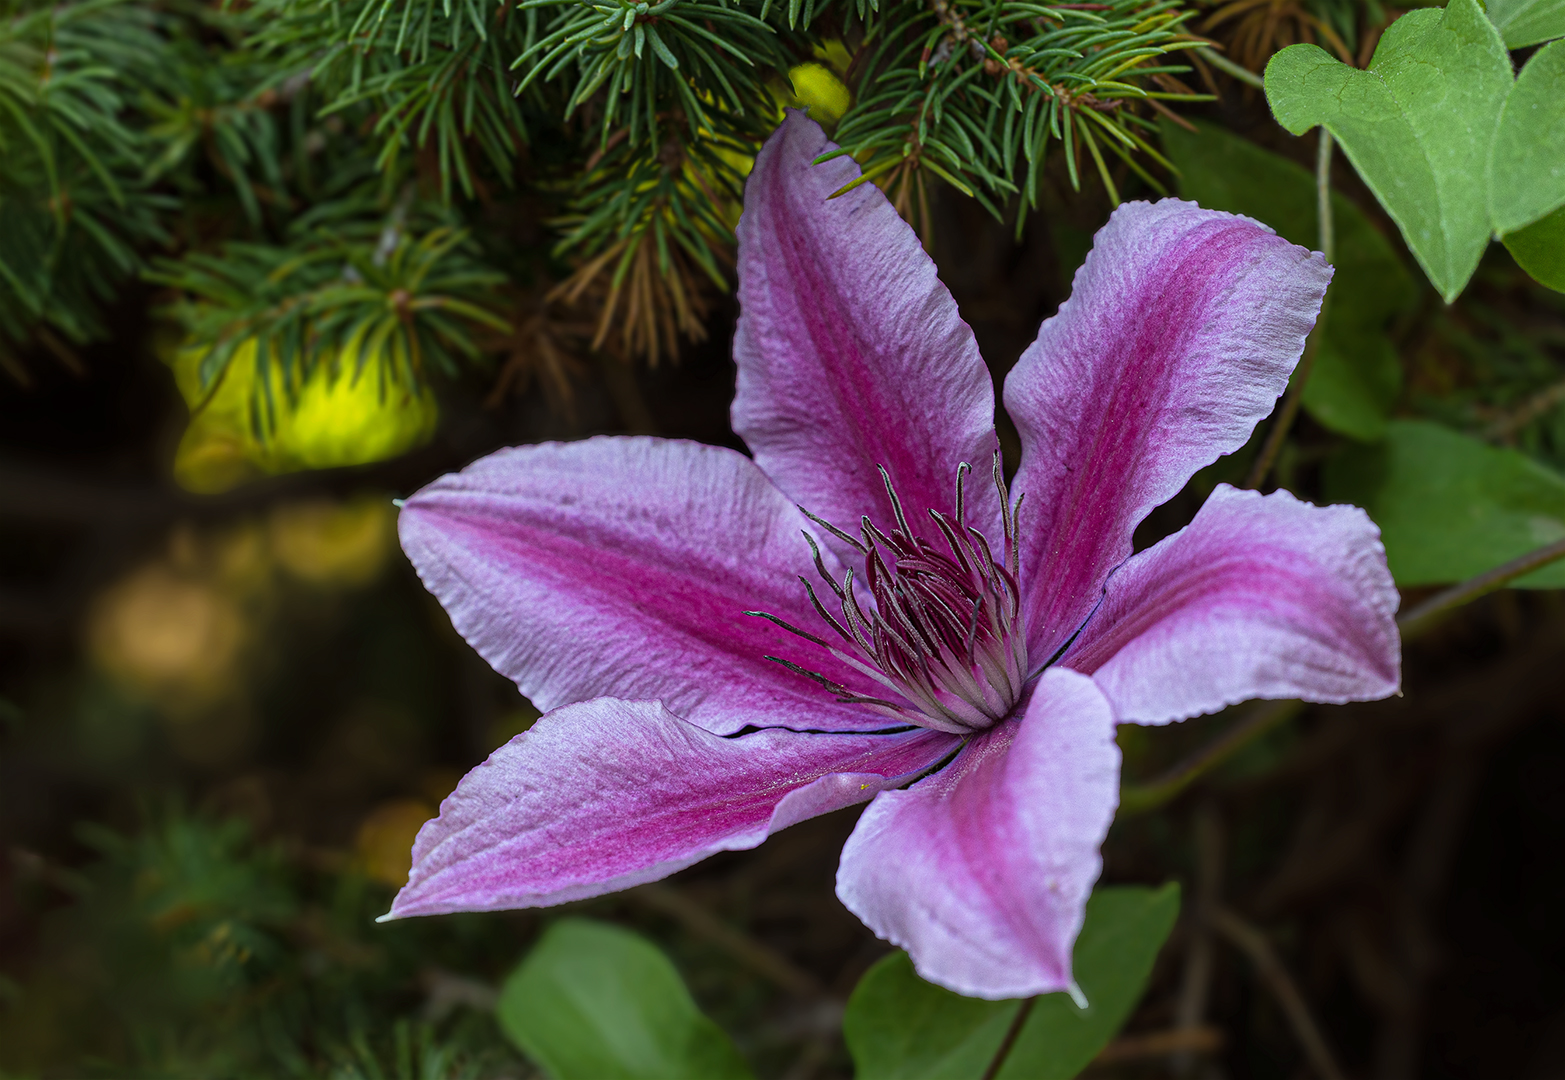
942,625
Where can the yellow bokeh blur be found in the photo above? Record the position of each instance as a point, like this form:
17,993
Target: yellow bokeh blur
168,636
384,845
332,543
343,414
177,632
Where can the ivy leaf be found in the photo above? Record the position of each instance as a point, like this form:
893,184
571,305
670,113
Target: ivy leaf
1413,124
1527,22
1527,160
1357,376
1539,249
899,1027
597,1002
1449,506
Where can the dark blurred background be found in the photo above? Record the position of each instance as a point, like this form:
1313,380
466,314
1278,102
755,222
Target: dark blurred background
223,718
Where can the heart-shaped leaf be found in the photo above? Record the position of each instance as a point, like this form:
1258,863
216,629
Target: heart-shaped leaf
1539,249
1414,123
1527,159
1527,22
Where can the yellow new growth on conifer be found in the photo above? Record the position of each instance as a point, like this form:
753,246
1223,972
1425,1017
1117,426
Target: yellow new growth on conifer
343,413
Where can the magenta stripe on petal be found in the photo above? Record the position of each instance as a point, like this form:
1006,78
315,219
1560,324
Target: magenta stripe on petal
1181,330
851,353
982,871
1258,597
606,794
623,567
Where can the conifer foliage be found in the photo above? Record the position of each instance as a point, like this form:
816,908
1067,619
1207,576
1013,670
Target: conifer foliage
334,181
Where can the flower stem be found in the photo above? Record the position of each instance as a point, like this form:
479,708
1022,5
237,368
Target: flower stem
997,1062
1423,616
1140,798
1301,377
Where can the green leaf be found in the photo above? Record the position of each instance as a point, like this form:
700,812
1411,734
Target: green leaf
597,1002
1357,376
1352,388
899,1027
1539,249
1527,22
1449,506
1414,124
1527,160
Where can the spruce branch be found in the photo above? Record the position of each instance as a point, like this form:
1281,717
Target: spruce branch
648,226
425,73
75,210
211,111
695,58
974,91
404,302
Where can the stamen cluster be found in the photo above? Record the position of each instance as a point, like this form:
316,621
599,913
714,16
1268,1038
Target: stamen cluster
943,630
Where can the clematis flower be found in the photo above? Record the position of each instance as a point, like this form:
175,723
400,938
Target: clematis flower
863,610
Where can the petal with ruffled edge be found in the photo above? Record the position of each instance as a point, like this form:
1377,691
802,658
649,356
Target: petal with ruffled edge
606,794
623,567
851,353
1261,596
1180,333
982,871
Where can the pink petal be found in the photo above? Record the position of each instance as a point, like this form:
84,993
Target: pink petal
982,871
1258,597
606,794
1180,333
623,567
851,353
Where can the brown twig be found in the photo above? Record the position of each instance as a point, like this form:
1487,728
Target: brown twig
1250,941
1505,427
1197,981
760,958
1180,1040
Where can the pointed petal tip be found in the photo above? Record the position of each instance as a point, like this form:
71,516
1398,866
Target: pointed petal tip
608,794
619,567
995,987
